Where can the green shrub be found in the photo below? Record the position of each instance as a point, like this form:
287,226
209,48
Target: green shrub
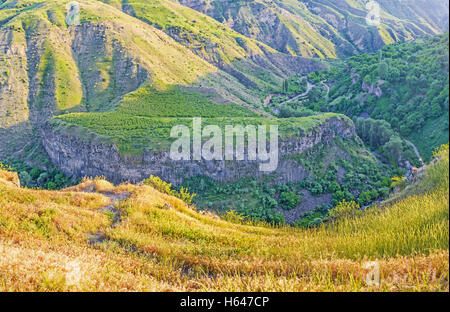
289,200
25,178
5,167
398,182
166,188
185,196
159,185
344,210
233,217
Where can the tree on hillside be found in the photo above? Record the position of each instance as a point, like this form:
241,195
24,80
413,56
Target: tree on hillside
394,147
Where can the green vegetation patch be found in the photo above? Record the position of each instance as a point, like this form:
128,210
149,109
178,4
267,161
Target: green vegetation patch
342,170
406,84
175,102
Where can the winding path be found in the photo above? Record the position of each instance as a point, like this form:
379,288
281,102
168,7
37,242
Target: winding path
309,86
328,90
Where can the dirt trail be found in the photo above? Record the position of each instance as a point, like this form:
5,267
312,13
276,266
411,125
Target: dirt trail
328,91
309,86
416,151
270,96
113,208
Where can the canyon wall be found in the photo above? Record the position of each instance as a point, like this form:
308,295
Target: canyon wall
82,158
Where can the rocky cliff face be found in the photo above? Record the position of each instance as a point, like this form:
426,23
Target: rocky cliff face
81,158
13,79
117,73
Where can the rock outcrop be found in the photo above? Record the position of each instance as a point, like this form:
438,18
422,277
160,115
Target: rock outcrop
81,158
9,177
374,89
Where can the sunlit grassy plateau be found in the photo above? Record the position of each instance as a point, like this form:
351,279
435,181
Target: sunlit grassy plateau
162,244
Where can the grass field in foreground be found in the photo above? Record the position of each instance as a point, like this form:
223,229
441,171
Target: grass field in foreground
161,244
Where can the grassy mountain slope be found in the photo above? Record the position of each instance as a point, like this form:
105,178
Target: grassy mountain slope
107,44
324,28
83,64
252,63
406,85
65,241
115,60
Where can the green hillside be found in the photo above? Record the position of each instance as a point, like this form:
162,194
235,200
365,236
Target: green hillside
91,68
132,70
406,84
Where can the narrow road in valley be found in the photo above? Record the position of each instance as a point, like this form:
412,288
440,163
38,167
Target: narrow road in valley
309,86
416,151
328,91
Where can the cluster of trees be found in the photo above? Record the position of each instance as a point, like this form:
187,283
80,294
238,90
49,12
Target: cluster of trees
294,85
310,105
374,133
50,178
360,179
412,90
288,111
414,80
251,198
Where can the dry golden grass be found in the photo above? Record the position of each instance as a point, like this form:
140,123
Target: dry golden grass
98,184
161,244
